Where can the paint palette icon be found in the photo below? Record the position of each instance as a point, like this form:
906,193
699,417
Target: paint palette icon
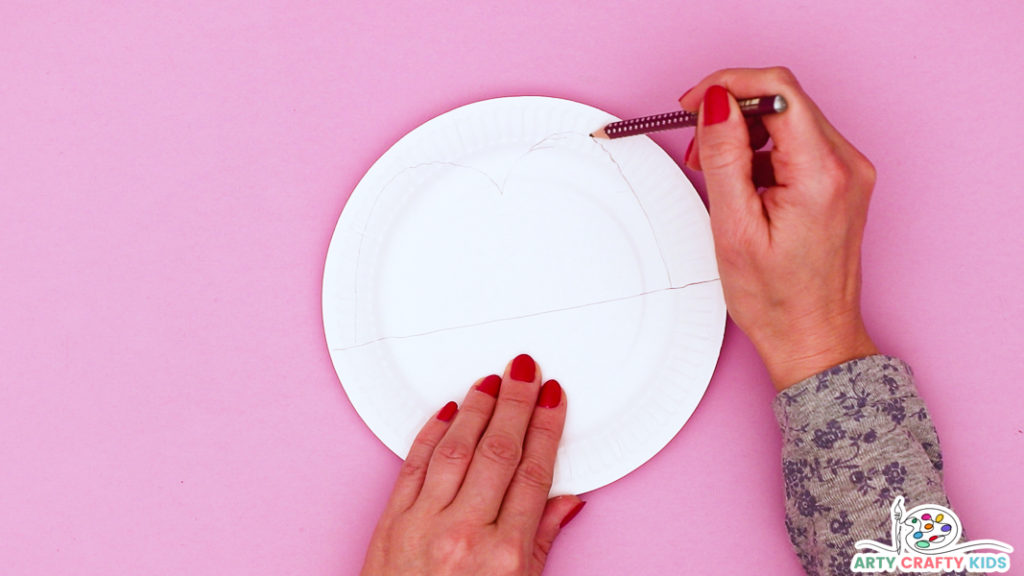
931,529
927,530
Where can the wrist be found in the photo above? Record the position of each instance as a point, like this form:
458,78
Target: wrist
792,360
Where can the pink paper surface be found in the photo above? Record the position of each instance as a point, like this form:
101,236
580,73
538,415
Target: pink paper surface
171,173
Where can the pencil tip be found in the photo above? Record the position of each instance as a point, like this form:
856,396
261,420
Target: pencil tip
601,134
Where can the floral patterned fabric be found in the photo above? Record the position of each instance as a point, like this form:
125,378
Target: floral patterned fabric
854,437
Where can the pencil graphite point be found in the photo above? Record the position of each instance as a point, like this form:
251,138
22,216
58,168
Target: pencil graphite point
599,133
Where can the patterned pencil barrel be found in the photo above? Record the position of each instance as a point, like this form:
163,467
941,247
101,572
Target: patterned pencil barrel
650,124
682,118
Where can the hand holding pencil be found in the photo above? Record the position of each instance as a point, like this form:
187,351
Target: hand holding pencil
787,223
750,107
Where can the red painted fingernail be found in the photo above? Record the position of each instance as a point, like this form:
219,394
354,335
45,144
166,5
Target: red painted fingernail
550,394
572,514
490,385
689,150
685,93
523,368
716,105
447,412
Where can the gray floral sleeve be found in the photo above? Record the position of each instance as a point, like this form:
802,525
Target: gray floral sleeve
854,437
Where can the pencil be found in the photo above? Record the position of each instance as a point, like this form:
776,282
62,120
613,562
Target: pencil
681,118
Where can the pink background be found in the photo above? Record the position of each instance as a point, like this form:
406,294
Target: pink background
170,176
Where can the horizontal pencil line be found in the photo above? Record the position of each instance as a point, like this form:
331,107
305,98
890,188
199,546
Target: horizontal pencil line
521,317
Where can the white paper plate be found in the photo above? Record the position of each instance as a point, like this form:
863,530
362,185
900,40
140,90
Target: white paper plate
500,228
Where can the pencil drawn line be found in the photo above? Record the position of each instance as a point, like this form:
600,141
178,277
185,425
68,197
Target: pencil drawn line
522,316
373,207
533,148
650,224
500,188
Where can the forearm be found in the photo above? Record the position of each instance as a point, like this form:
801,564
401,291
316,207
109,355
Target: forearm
854,437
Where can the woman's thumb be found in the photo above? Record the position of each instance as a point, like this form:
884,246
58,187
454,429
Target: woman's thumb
557,513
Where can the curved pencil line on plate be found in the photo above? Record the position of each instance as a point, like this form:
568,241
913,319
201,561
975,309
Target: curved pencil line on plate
521,317
373,207
500,188
533,148
618,167
650,224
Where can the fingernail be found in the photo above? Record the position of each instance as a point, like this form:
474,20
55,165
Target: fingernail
685,93
523,368
716,105
689,149
447,412
550,394
572,514
490,385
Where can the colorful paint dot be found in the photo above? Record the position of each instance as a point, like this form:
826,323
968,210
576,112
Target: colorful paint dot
913,520
928,526
918,534
939,517
926,516
946,528
932,539
922,544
